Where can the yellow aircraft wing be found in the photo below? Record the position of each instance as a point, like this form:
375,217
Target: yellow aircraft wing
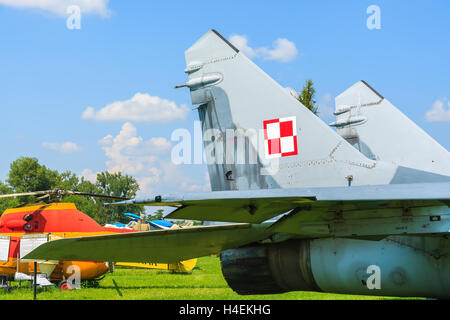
181,266
160,246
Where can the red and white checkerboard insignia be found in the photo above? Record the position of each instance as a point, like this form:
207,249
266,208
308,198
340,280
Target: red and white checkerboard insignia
280,137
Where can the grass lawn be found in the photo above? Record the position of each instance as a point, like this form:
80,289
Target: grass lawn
205,282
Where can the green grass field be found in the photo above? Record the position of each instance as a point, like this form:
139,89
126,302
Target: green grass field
205,282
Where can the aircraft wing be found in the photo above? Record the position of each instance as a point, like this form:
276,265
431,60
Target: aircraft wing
160,246
348,212
321,212
256,206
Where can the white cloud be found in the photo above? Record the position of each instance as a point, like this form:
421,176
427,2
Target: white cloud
129,153
88,175
439,113
283,50
141,107
148,161
66,147
59,7
241,42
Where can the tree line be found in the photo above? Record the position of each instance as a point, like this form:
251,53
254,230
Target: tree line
26,174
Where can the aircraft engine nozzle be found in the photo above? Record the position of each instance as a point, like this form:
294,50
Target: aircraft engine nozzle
269,269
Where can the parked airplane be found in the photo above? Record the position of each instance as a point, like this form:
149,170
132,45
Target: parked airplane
311,212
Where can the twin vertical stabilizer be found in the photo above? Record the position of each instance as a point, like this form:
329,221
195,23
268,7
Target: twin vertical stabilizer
258,136
379,130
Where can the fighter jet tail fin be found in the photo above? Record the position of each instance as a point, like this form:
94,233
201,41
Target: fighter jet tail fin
257,135
379,130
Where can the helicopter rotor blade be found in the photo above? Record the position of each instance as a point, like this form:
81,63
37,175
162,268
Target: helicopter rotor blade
34,200
77,193
14,195
57,195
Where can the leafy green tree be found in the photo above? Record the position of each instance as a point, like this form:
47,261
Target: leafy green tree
116,184
7,202
157,215
68,180
27,175
87,187
112,184
93,207
4,189
306,97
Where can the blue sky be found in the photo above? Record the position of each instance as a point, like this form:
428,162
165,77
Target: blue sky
50,75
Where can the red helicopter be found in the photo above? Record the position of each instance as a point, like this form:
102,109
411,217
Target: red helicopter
49,221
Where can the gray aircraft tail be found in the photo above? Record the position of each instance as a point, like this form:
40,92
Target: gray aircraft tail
379,130
285,145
